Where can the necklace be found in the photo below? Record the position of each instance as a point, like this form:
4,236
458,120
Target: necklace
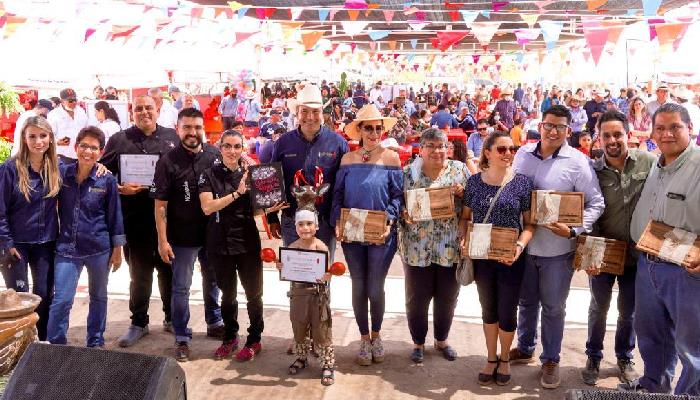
367,154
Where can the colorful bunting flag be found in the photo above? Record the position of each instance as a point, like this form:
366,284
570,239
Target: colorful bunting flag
352,28
448,38
235,6
669,33
530,19
88,32
497,6
333,11
242,12
486,13
469,16
417,26
525,36
377,35
353,14
392,46
414,43
595,4
475,58
596,39
388,15
542,4
484,31
614,30
295,12
323,14
651,7
355,4
264,13
310,38
454,15
550,32
123,31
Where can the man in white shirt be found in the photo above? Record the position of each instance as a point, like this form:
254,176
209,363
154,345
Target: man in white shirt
41,109
376,92
66,121
662,98
168,113
685,98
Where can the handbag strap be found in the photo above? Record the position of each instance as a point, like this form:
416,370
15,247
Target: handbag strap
506,180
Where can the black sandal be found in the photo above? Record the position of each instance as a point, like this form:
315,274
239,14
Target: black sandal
485,379
502,379
297,366
327,376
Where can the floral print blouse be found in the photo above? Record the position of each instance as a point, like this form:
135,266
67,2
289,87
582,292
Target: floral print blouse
432,242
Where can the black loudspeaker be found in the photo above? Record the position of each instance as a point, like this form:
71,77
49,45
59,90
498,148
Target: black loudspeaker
55,372
576,394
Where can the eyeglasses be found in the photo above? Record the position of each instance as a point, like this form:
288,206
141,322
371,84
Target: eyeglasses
139,109
502,149
87,147
432,147
375,128
561,128
481,129
228,146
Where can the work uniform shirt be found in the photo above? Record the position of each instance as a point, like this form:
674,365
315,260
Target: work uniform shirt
296,153
177,175
671,195
232,229
137,210
621,191
22,221
63,125
90,214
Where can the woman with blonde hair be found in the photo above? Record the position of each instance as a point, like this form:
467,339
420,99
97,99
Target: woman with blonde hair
29,184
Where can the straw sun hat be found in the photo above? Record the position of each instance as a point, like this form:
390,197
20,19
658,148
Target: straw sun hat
368,112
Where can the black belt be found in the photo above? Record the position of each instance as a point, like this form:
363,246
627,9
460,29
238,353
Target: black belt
655,259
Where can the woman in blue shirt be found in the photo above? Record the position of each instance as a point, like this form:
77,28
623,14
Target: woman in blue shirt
369,178
91,235
29,183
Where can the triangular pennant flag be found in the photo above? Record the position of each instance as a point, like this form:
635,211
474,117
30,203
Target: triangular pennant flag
550,32
614,30
525,36
372,45
540,57
497,6
485,67
242,12
469,16
417,26
475,58
355,4
484,31
454,15
243,36
157,43
333,12
530,19
497,57
420,16
388,15
323,14
632,12
88,32
414,43
265,13
235,6
651,7
410,10
121,31
392,46
586,55
310,38
196,13
3,20
652,22
295,12
486,13
410,57
595,4
449,38
227,11
542,4
353,45
376,35
353,14
520,57
668,33
352,28
596,39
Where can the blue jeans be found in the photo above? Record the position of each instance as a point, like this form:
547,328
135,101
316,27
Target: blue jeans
325,232
183,268
546,281
40,259
368,265
67,272
667,321
601,292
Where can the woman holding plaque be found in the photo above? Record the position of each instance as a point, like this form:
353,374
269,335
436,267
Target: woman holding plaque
502,197
368,188
429,247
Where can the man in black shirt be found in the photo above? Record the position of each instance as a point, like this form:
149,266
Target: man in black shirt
140,251
181,224
594,108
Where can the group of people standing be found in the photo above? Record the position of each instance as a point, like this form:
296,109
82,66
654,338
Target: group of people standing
199,208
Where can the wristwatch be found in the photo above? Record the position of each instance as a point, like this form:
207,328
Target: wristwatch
572,233
521,245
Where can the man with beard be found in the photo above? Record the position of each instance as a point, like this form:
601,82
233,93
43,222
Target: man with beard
140,251
621,174
181,223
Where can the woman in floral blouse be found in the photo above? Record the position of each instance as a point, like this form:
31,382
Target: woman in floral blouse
430,249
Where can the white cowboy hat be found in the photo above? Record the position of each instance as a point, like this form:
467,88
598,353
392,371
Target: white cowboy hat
368,112
685,94
250,95
308,95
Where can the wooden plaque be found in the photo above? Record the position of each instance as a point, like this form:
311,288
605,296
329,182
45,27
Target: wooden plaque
654,236
373,227
431,203
502,242
570,208
614,255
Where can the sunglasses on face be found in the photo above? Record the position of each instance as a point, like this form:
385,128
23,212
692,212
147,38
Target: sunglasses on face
228,146
502,149
371,128
71,100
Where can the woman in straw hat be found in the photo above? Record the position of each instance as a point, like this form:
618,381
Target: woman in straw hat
578,118
369,178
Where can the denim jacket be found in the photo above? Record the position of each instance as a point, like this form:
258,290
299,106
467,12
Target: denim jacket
22,221
90,214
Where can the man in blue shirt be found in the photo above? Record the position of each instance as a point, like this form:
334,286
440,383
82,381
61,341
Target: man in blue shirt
229,109
552,165
476,140
518,94
304,149
443,119
272,125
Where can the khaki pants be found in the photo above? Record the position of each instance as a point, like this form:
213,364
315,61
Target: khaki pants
310,308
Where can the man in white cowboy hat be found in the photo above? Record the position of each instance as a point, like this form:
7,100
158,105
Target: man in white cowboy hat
303,149
506,107
594,108
252,110
662,97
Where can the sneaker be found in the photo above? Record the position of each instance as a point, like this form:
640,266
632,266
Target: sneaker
632,386
216,332
364,356
226,348
591,372
627,372
550,375
518,357
182,351
377,350
248,353
132,335
168,326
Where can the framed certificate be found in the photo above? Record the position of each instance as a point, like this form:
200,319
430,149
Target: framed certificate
137,168
266,185
300,265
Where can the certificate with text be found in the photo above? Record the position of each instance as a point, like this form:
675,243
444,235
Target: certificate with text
137,168
302,265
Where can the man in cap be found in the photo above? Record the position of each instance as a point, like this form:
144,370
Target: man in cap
41,109
594,108
66,121
662,97
272,125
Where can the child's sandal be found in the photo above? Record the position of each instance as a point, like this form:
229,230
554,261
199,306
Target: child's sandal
297,366
327,376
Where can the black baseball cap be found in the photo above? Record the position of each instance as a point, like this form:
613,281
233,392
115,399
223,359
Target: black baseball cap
43,103
68,94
